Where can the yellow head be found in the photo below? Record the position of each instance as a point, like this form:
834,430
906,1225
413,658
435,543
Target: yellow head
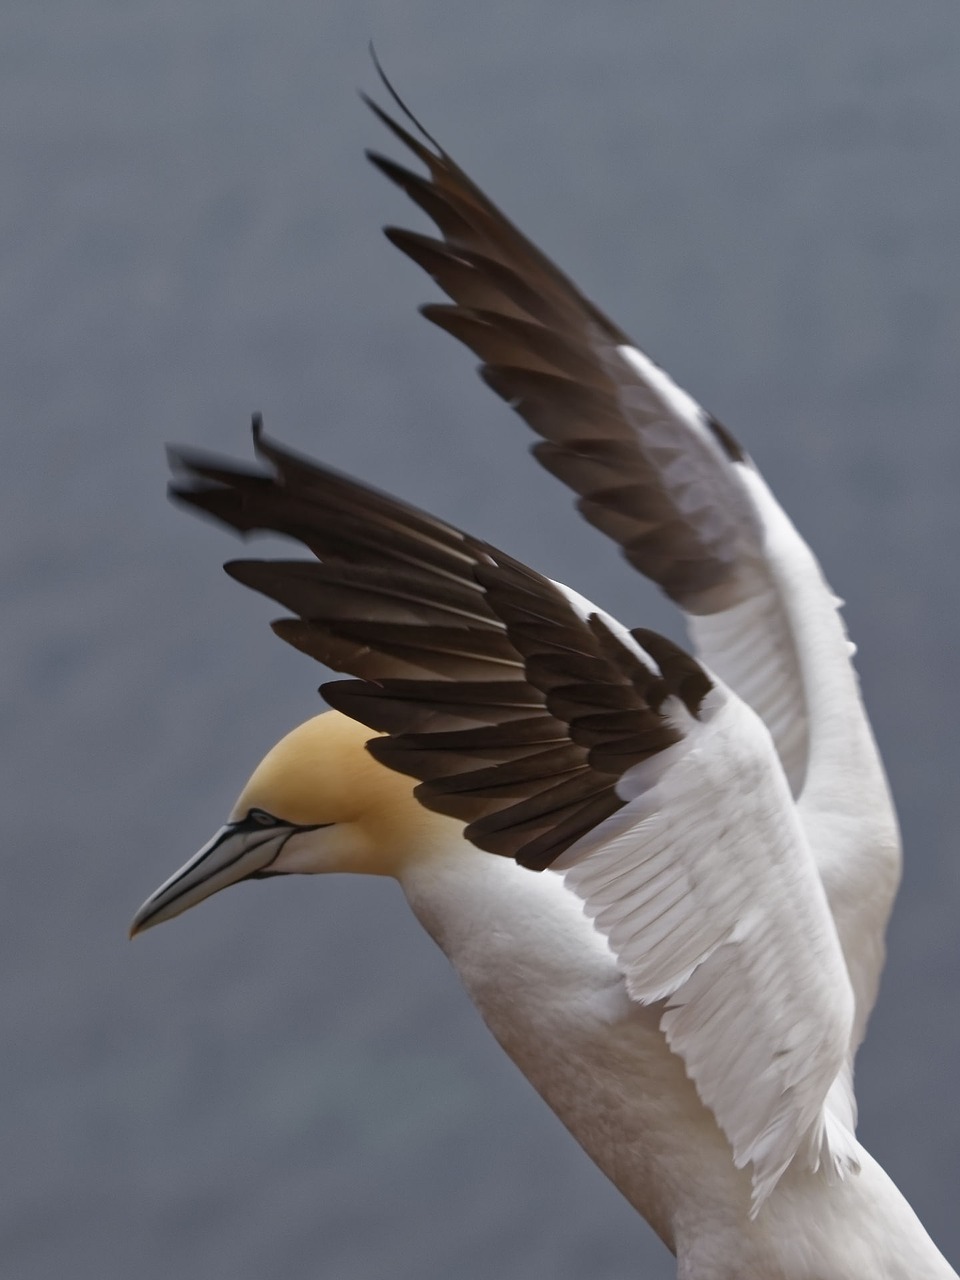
318,801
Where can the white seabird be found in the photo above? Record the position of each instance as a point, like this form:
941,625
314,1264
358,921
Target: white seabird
669,898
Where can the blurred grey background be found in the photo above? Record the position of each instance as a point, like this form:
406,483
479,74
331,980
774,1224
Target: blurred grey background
289,1081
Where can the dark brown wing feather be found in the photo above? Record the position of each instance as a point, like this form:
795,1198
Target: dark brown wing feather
516,714
652,471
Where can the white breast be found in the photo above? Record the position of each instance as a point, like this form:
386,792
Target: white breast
546,984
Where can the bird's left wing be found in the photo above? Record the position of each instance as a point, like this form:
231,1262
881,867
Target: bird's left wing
563,740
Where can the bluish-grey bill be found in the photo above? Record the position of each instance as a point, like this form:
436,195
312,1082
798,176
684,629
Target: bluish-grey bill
238,851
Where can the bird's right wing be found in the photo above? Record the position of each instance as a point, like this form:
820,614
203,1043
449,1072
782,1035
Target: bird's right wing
563,740
652,470
670,485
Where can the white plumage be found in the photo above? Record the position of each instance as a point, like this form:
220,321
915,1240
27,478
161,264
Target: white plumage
719,911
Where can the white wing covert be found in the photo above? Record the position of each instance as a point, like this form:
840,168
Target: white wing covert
710,899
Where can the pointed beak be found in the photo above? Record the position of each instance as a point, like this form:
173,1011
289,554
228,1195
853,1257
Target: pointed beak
238,851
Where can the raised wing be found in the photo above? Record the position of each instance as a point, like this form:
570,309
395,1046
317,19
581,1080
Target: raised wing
672,487
563,740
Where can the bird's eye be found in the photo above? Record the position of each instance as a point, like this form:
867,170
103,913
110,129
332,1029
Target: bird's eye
262,818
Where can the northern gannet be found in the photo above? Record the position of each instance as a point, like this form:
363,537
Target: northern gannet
681,939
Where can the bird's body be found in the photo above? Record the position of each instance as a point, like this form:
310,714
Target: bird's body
552,994
680,941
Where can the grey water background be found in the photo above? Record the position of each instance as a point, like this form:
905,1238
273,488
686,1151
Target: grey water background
289,1081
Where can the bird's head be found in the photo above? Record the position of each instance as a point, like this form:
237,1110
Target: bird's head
318,801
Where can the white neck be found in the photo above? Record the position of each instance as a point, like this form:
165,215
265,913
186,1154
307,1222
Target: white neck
546,985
